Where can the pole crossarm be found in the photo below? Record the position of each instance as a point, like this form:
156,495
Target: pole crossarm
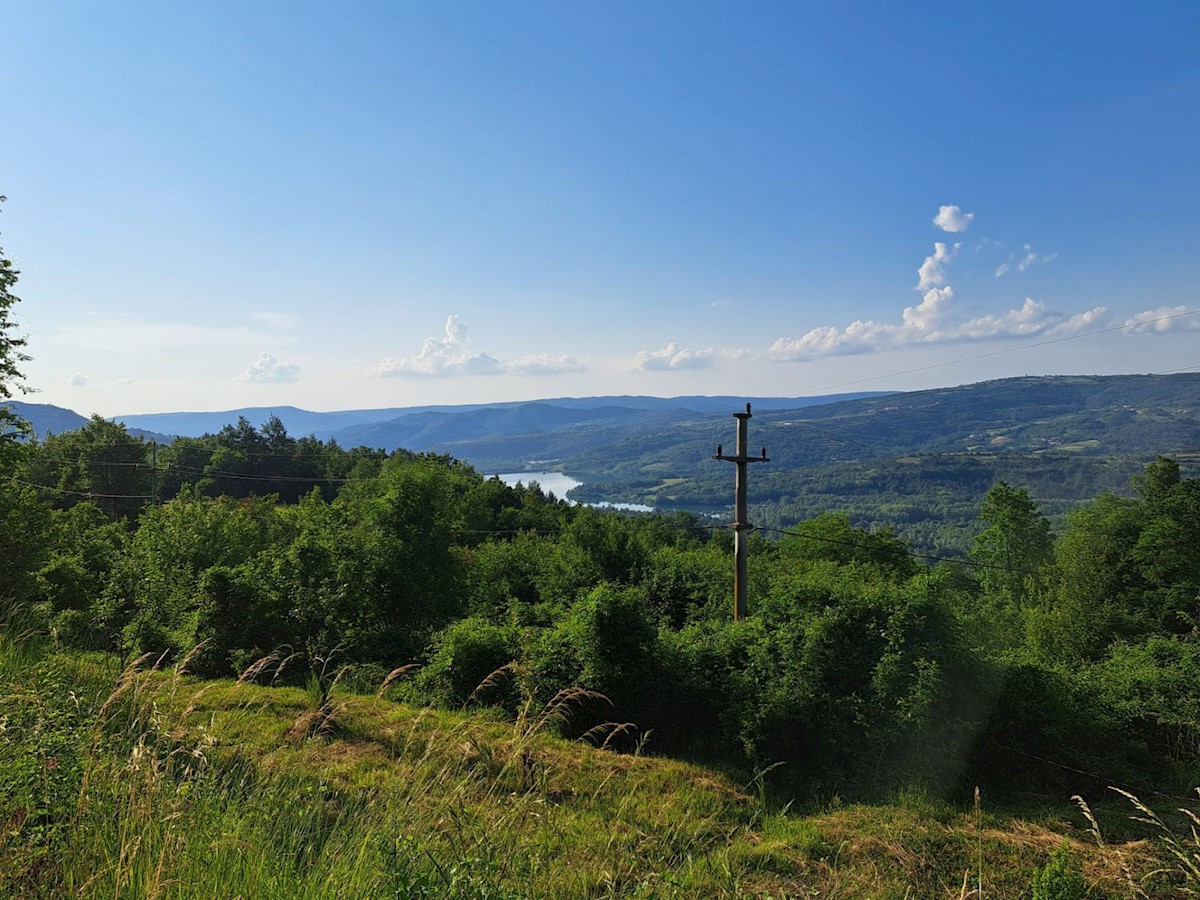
741,525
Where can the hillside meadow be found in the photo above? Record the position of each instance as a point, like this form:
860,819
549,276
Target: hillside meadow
147,782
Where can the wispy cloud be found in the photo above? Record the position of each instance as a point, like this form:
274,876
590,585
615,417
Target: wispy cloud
543,364
103,332
1025,262
79,380
673,356
269,370
1032,258
953,219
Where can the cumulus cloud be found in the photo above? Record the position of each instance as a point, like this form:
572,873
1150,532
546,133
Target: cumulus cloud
447,355
79,380
1031,319
269,370
933,271
1098,317
933,320
451,354
930,322
925,316
953,219
673,356
1165,318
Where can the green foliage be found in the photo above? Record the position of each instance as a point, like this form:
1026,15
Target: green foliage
100,461
1061,879
464,656
1014,549
11,355
25,526
851,671
831,537
615,641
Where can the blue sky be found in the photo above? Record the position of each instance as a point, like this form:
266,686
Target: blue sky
221,205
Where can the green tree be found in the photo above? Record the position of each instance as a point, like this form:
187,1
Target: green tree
1015,548
11,352
101,461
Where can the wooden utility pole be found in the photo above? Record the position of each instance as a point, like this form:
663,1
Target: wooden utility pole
741,524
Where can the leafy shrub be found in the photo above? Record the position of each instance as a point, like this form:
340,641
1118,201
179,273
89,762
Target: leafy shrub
1061,879
467,653
78,629
614,637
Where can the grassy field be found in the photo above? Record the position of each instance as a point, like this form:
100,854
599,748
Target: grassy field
143,782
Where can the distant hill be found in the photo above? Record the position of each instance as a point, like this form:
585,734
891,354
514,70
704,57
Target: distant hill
1112,414
47,419
917,462
347,425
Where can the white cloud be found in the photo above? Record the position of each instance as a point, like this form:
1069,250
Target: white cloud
447,355
953,219
925,316
1094,318
1031,258
1023,264
1165,318
543,364
1031,319
673,356
933,271
736,353
79,380
929,323
269,370
451,354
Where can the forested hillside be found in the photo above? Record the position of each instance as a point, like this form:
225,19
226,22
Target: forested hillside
918,462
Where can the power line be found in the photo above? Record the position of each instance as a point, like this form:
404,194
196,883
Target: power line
217,473
88,494
914,554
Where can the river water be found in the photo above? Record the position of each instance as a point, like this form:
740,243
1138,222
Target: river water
558,484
